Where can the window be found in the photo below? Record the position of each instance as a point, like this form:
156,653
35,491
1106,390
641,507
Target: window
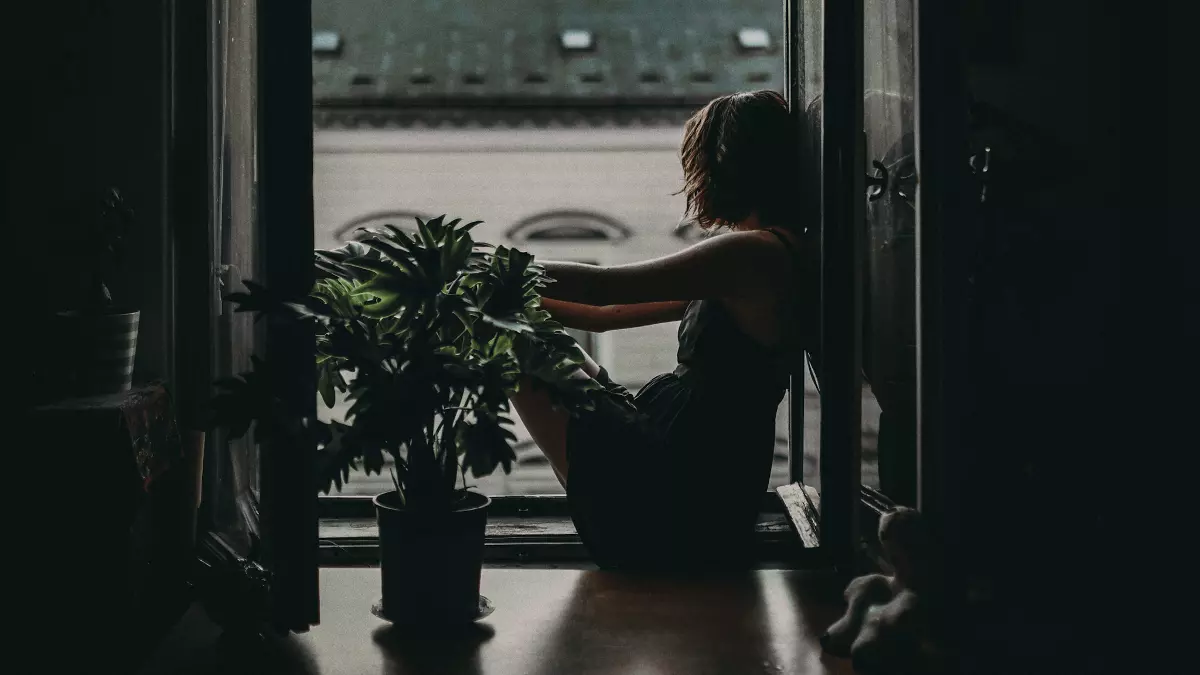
232,472
405,220
587,139
753,39
507,150
554,161
258,189
576,40
889,346
326,43
564,226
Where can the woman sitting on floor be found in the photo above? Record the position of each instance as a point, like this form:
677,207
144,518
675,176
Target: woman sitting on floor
681,482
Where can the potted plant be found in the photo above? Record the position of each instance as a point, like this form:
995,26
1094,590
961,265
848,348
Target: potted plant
100,338
425,335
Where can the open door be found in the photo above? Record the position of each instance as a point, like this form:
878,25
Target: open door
916,264
825,73
259,500
876,354
889,346
285,198
914,261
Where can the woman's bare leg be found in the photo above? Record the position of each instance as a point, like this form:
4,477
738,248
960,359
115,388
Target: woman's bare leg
547,425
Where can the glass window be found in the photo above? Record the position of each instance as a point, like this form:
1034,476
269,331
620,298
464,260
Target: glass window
809,69
232,467
889,411
477,112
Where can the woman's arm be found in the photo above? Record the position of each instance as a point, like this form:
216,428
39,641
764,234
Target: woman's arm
613,317
728,265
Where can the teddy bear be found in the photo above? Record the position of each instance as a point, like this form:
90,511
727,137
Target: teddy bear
883,629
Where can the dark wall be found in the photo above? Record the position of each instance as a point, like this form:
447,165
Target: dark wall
1047,454
84,97
87,109
1050,256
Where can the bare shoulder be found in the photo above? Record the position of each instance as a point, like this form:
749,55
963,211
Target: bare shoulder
756,246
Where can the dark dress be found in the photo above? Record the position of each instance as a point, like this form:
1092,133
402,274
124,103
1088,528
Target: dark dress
680,483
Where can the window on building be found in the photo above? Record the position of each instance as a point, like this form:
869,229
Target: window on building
753,39
326,43
562,226
576,40
405,220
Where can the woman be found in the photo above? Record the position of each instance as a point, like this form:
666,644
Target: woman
681,482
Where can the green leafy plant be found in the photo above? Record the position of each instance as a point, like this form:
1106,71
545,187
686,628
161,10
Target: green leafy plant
425,335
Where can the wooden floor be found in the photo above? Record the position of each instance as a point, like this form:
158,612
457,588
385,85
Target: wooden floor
555,622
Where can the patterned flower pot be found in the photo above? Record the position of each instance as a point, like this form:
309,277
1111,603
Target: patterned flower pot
100,350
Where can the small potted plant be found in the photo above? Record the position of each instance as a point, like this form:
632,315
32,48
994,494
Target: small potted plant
425,335
101,337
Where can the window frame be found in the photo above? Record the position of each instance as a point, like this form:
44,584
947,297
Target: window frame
946,219
286,510
838,373
289,502
527,530
842,494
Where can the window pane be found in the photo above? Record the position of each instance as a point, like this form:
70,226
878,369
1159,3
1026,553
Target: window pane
236,236
810,66
490,111
889,290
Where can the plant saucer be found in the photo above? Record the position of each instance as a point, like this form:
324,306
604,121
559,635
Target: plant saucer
485,610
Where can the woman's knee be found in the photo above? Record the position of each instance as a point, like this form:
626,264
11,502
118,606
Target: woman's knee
547,425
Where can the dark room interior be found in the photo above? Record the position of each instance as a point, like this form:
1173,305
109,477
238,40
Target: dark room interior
971,366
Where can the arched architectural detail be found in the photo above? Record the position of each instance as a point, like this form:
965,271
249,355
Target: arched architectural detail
583,226
405,220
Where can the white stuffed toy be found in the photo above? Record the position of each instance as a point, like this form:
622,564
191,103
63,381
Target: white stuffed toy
883,628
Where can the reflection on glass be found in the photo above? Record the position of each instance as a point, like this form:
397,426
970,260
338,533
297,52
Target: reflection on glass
556,122
889,291
811,66
234,207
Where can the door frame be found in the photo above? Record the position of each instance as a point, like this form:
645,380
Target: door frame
945,232
285,161
838,370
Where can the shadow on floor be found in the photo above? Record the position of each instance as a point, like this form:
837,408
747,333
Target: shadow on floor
429,652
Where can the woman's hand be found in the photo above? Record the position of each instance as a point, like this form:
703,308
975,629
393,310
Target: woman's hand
613,317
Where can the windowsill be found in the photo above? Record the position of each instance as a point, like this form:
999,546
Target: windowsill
537,531
531,540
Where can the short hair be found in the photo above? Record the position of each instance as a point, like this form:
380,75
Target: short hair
741,155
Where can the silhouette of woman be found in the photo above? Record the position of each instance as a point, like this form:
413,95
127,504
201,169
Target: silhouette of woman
680,482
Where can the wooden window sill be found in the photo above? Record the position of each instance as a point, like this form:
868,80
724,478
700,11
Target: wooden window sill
546,539
537,531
